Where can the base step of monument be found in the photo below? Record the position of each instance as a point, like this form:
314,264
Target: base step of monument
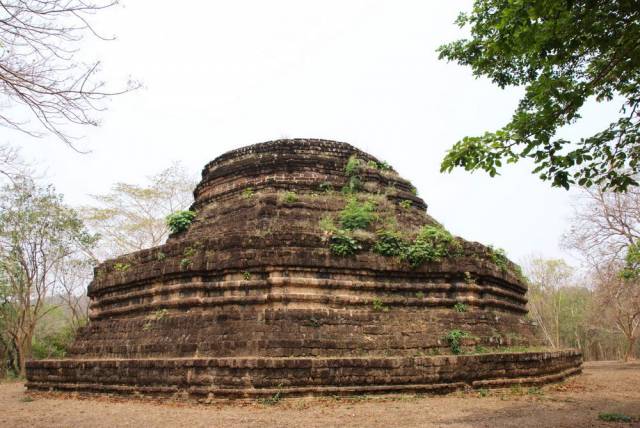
246,377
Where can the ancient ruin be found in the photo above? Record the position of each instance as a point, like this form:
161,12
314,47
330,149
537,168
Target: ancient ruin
310,268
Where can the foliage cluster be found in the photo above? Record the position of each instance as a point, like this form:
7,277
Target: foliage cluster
342,244
357,215
454,339
180,221
460,307
379,306
432,244
290,197
614,417
499,258
563,53
389,243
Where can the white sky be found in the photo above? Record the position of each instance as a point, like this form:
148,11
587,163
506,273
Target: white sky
220,75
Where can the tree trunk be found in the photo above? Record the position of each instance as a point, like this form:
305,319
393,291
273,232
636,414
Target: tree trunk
631,341
23,349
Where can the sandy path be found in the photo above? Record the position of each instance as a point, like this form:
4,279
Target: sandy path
604,387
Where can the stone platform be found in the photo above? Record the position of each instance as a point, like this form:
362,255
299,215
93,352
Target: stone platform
255,377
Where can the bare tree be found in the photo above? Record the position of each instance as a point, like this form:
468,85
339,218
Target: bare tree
12,166
39,73
619,300
606,225
132,217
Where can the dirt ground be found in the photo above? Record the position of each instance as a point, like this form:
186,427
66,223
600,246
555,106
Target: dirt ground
604,387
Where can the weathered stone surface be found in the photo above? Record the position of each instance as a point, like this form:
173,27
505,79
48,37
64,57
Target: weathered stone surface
250,299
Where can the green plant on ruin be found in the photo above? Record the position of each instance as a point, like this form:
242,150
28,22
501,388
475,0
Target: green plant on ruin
160,256
179,221
314,322
481,349
384,166
460,307
246,275
354,185
122,267
468,278
290,197
499,258
378,306
357,215
342,244
405,204
326,224
535,390
272,400
520,275
189,252
155,316
413,191
614,417
248,193
434,352
352,170
454,339
372,164
353,166
483,392
420,295
389,243
326,187
432,244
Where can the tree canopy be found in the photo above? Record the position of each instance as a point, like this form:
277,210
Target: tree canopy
564,53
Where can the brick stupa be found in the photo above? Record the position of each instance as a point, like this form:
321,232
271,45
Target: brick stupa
253,299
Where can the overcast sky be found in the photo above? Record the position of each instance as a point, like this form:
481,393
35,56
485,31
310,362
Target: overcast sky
219,75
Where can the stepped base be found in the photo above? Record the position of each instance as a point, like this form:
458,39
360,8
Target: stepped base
247,377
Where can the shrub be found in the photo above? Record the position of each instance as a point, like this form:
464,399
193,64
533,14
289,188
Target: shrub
189,252
327,225
353,185
357,215
432,244
179,221
344,245
247,193
53,344
384,166
372,164
353,166
454,339
290,197
389,243
379,306
406,204
614,417
122,267
499,258
460,307
326,187
246,275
